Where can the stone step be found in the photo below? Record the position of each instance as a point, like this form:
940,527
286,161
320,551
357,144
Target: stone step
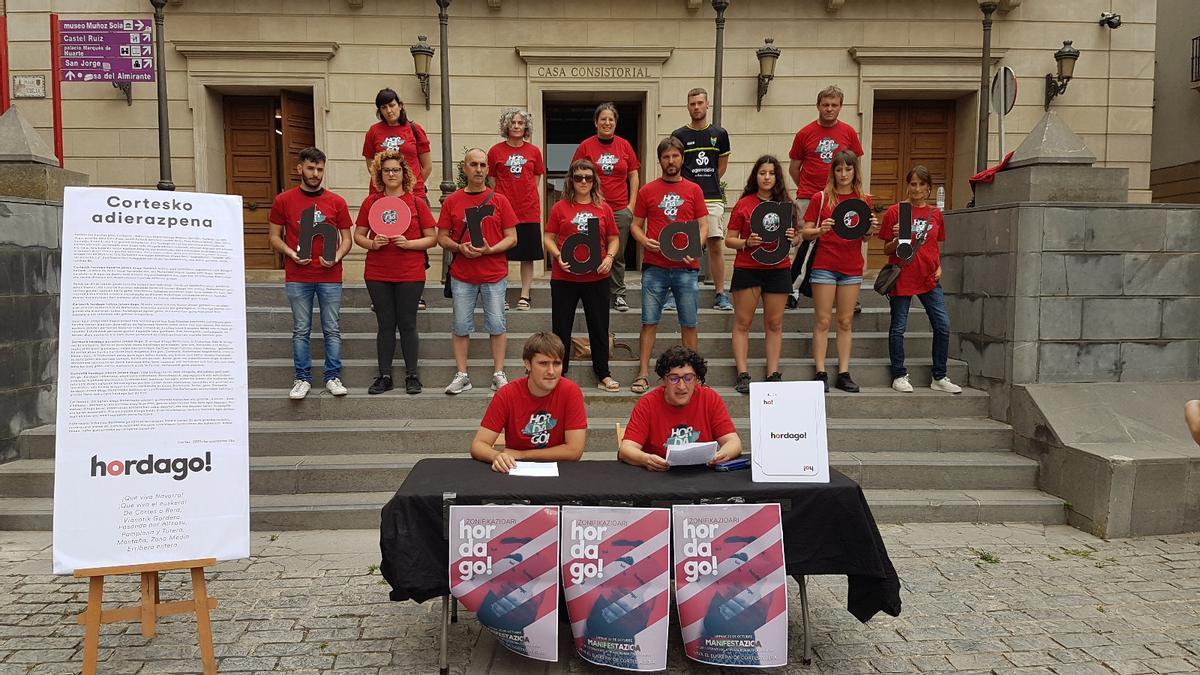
292,474
446,436
361,510
273,404
436,320
437,373
354,294
362,345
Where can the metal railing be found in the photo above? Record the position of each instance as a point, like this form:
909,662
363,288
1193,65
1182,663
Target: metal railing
1196,59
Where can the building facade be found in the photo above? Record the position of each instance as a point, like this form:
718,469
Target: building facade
1175,155
251,81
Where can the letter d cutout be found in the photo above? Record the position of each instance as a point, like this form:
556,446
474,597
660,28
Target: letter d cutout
310,229
590,239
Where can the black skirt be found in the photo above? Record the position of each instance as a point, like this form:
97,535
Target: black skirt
529,243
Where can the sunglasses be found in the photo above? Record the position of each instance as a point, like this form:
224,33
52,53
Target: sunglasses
580,178
396,170
686,379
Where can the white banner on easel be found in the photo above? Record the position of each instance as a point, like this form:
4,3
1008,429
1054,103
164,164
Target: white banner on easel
152,436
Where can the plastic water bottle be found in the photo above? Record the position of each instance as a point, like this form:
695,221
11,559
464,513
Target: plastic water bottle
941,198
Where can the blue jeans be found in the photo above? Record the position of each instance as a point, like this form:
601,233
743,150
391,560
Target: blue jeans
939,320
466,296
329,295
683,284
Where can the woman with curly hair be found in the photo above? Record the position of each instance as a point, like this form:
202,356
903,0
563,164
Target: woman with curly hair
514,168
395,268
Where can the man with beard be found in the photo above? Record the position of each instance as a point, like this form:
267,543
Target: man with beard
667,200
541,415
306,278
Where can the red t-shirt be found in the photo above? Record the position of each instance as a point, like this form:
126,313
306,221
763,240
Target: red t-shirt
614,161
834,253
410,139
815,147
660,203
566,218
516,172
286,210
654,423
528,422
391,263
739,222
928,229
486,269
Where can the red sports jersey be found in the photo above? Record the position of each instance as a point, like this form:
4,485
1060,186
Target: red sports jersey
486,269
391,263
529,422
516,172
565,220
815,146
918,276
409,139
661,202
614,161
286,211
834,253
655,424
739,222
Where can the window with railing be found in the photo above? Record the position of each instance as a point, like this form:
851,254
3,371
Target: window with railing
1196,59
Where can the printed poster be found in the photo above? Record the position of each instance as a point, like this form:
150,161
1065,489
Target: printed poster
730,584
151,456
504,567
788,433
616,578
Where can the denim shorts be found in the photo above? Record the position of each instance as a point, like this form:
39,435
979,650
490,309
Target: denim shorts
465,298
831,278
684,284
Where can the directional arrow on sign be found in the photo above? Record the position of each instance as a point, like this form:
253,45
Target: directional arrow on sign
141,25
70,75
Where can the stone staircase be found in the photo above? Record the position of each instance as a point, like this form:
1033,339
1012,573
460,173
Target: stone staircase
327,462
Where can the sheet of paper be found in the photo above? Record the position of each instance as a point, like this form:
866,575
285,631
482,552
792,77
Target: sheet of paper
691,453
535,469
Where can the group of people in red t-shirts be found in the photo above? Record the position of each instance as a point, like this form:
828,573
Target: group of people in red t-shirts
602,190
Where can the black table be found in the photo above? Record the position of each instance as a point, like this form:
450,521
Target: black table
827,528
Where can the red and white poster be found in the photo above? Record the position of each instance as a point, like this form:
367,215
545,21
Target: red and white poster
504,567
616,577
730,584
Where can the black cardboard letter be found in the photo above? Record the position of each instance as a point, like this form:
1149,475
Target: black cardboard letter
309,229
770,220
904,248
693,248
852,219
590,239
475,216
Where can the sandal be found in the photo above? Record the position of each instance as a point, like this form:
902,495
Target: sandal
640,385
609,384
523,304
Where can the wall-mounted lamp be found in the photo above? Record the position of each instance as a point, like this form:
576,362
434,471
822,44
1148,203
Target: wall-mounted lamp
422,55
768,54
1066,58
1110,19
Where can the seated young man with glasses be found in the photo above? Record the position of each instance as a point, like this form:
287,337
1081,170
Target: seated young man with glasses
681,410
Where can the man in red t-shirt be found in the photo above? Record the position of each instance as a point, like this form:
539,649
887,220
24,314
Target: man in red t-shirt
682,410
477,271
662,202
306,278
541,415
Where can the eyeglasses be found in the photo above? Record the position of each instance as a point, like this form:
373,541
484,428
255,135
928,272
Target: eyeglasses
580,178
396,170
686,379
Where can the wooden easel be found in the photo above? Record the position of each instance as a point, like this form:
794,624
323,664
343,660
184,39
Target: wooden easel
150,608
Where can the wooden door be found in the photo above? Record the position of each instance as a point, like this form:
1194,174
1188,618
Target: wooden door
904,134
296,110
252,171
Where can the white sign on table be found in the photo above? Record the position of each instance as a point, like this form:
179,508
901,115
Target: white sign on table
152,439
788,433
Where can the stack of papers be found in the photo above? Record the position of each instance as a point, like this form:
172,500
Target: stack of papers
686,454
535,469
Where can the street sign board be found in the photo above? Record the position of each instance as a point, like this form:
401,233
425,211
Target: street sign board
106,50
1004,91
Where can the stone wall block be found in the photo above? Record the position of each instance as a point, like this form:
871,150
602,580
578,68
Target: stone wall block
1030,230
44,271
1093,274
972,353
43,369
1181,318
1024,359
994,362
952,270
969,235
966,314
1000,229
1162,274
1121,318
29,224
1167,360
1079,362
1027,274
1025,318
1060,318
13,279
1123,230
1182,230
1054,274
17,359
1157,491
1063,229
994,275
996,317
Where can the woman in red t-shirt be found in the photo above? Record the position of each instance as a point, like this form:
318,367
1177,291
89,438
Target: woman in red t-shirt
581,202
921,276
837,267
515,168
395,269
752,279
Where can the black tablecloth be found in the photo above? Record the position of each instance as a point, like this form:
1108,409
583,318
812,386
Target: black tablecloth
827,529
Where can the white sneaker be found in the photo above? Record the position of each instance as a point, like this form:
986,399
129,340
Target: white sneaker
299,390
499,379
902,384
945,385
335,386
460,383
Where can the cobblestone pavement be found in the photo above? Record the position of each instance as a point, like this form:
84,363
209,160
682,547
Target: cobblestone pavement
977,598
